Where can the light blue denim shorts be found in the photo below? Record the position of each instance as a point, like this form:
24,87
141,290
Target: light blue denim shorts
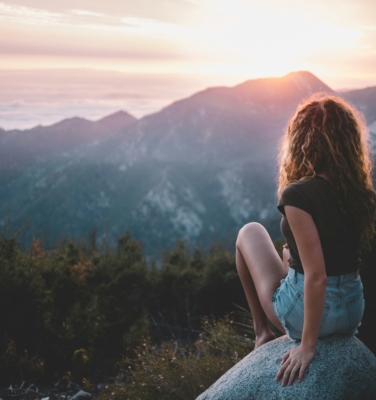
343,307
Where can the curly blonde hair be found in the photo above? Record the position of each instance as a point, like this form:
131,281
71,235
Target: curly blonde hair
328,135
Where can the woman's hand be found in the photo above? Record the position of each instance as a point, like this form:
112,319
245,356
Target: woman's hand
296,359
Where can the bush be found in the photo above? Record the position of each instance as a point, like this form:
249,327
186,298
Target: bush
174,370
77,300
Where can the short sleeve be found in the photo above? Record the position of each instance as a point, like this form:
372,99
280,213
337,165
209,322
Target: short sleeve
294,195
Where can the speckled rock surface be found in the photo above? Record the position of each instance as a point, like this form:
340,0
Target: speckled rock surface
343,369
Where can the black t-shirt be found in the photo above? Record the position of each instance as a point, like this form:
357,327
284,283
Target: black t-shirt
339,236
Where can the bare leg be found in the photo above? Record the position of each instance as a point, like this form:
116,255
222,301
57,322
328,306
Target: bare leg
260,270
260,320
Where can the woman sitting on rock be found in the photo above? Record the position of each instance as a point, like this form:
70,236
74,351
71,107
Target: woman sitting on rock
328,204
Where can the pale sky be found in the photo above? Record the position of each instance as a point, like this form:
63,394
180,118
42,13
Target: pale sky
162,50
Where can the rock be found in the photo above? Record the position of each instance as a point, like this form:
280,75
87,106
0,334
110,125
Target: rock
343,369
81,395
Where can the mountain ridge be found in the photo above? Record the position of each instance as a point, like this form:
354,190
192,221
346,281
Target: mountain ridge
198,169
306,75
119,115
20,149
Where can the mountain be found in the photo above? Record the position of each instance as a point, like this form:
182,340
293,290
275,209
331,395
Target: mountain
365,101
116,122
198,169
228,121
22,148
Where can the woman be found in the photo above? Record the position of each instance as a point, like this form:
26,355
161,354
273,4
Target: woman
328,205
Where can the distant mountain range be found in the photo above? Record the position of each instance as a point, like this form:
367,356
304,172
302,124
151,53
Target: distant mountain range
197,170
21,149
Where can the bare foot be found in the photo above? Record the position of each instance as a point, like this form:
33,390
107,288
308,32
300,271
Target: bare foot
265,336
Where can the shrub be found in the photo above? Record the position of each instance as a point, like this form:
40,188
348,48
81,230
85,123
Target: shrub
77,300
174,370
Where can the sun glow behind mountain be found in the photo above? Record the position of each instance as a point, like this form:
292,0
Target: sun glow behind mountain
186,44
256,40
222,37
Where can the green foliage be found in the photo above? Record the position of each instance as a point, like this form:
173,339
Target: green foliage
80,363
8,243
175,370
78,308
73,297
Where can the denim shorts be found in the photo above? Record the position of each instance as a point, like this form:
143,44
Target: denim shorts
343,307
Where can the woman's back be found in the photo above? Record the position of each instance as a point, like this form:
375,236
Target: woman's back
339,235
330,221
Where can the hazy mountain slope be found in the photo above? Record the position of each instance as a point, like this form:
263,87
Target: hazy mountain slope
227,121
20,149
365,101
198,169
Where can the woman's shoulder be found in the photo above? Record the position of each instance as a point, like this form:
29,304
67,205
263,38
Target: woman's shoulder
292,190
309,181
296,194
299,184
306,193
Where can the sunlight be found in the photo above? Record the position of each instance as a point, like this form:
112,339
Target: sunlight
235,39
273,41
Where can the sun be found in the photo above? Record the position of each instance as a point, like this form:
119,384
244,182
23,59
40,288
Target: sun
259,41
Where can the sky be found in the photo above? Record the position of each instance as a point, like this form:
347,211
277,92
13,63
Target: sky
89,58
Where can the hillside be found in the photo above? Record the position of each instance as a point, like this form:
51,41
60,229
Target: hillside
365,101
198,169
21,148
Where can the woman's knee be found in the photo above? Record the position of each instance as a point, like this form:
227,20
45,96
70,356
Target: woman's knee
247,231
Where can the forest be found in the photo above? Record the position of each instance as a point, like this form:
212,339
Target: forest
87,313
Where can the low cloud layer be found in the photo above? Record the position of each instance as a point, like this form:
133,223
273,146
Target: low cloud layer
32,97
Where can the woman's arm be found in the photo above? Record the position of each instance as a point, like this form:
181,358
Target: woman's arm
310,251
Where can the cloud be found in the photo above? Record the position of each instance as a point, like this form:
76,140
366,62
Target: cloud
368,28
84,19
198,2
83,50
80,33
33,97
350,7
88,13
26,14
